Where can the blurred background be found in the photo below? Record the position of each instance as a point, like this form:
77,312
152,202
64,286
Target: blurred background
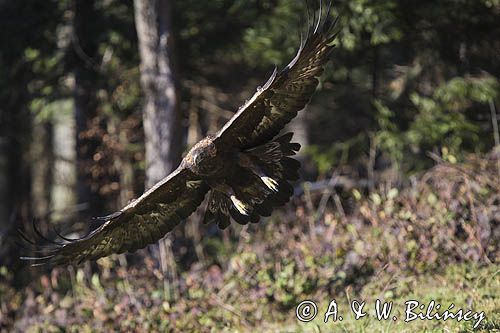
400,189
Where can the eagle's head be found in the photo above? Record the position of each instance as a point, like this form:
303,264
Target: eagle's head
202,158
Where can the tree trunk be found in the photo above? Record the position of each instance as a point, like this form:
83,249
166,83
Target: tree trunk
162,131
42,175
65,173
163,135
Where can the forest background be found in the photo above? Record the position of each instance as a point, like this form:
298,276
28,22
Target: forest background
400,189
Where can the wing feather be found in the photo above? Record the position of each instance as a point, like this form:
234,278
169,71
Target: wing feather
285,93
142,222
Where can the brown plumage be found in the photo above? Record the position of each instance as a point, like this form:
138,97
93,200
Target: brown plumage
245,168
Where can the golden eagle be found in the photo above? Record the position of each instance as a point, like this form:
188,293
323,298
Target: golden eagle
245,168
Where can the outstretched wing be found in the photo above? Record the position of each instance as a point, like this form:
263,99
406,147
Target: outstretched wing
142,222
285,93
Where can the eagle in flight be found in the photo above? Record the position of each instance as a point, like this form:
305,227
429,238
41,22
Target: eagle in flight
245,168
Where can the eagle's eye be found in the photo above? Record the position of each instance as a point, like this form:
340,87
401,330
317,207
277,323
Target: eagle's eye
198,157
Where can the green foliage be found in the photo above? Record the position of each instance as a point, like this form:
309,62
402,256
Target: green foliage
45,111
275,37
460,91
427,85
442,121
436,125
341,153
376,19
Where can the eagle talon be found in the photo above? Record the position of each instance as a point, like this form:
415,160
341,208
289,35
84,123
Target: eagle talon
270,183
240,205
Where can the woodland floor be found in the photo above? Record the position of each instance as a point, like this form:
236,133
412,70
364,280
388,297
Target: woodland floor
435,239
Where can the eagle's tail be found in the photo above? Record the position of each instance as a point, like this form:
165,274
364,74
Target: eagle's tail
260,184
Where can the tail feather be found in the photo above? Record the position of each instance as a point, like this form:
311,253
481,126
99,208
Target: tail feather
218,210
